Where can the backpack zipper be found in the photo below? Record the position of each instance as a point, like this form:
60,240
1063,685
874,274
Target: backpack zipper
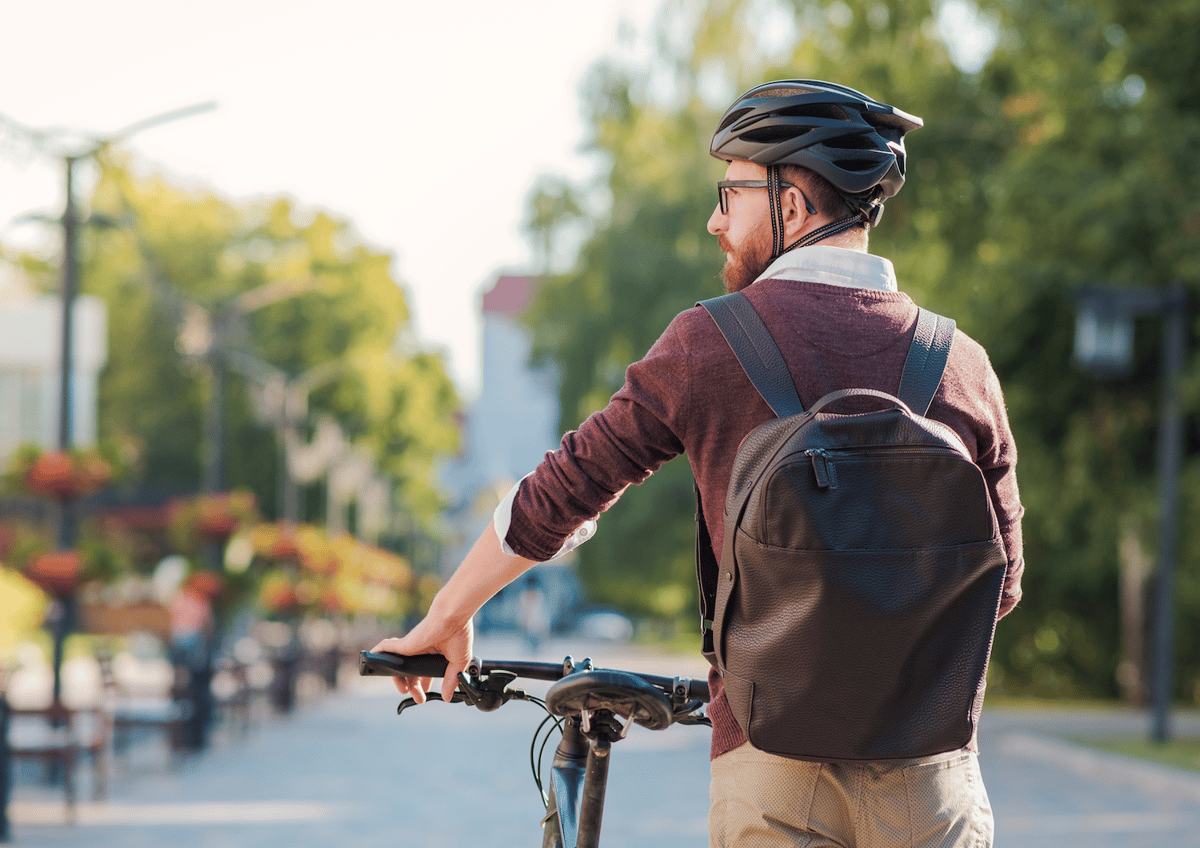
823,459
822,468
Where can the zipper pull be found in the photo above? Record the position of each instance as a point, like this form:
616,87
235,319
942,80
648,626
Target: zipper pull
822,468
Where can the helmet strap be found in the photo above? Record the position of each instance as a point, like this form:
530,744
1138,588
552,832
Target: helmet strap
777,234
775,200
830,229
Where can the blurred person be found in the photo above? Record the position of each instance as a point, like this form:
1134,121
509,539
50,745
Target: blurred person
810,165
533,615
192,623
191,619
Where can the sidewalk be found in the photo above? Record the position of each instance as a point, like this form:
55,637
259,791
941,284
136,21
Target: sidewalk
344,770
1048,792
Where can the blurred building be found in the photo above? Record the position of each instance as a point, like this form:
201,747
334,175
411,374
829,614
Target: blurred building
506,432
30,367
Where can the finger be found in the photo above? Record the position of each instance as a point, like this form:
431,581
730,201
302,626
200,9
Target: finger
412,687
394,644
449,684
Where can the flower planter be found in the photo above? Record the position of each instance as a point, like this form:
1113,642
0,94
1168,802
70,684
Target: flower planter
216,527
284,549
58,572
322,566
62,475
213,517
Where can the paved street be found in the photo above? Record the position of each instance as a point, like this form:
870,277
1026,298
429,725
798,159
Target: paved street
343,770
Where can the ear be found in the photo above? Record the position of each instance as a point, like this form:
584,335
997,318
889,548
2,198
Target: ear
796,217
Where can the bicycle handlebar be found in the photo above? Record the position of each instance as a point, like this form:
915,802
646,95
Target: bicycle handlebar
434,665
398,665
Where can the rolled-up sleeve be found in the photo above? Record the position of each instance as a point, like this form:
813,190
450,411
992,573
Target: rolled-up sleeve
619,446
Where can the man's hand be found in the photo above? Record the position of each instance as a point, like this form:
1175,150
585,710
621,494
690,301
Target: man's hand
446,629
432,636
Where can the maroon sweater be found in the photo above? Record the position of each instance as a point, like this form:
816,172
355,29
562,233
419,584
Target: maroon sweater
689,394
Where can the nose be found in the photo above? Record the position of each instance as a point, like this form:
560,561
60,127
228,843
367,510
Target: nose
716,221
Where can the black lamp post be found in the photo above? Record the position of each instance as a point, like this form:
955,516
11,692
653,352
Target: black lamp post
1104,345
72,149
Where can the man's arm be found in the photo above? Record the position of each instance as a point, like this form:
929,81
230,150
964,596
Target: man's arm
446,628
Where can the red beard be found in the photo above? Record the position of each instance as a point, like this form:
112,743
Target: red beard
745,265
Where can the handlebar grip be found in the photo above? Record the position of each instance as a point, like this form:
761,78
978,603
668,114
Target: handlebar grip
398,665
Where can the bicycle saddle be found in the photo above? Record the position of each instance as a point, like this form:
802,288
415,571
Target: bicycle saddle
619,692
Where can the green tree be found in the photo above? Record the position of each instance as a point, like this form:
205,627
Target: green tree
646,255
1096,187
1067,160
173,260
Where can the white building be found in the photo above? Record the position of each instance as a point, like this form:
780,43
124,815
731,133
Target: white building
506,432
30,365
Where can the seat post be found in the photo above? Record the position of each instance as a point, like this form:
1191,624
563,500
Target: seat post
595,783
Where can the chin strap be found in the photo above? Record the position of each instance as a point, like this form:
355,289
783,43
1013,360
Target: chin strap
776,203
830,229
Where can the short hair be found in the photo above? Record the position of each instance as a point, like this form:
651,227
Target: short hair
829,202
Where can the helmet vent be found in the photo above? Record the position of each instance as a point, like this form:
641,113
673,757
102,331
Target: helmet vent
858,165
851,142
770,135
826,111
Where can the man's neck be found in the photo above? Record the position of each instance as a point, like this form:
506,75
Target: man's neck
855,239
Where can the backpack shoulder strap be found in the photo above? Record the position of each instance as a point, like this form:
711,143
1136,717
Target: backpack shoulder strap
927,356
757,352
707,572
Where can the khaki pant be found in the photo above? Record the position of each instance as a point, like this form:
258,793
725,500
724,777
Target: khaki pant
760,800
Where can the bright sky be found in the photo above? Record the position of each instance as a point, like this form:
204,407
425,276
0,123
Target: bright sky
377,110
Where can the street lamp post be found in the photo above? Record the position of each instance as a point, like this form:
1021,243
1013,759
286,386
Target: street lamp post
66,536
63,612
1104,345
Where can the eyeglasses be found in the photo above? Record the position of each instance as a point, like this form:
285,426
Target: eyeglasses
724,185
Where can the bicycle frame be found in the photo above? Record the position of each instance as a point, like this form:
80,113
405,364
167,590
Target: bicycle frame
578,780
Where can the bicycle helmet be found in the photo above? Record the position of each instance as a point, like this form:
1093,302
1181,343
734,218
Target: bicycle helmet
852,141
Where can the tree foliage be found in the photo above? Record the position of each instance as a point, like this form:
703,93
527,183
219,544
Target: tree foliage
173,262
1096,187
1066,160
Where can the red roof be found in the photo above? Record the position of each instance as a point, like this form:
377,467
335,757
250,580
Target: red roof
510,295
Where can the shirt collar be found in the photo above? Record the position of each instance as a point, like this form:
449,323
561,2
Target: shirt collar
836,266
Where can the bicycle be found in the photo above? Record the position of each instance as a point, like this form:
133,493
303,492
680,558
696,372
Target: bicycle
592,707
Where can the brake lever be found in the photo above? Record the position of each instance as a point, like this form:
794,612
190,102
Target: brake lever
690,713
487,693
490,693
458,698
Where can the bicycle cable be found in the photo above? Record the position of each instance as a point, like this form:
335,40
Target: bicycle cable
537,755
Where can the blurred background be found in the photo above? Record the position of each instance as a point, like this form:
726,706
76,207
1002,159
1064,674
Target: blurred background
293,292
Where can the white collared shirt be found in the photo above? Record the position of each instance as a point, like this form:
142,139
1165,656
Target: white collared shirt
835,266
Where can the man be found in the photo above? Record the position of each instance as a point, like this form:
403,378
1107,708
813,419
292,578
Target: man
810,165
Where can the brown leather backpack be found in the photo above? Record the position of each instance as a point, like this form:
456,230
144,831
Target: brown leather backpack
852,612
